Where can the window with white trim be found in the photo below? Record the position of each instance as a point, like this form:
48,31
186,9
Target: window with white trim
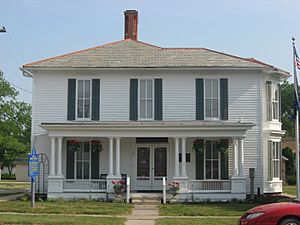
212,99
146,99
83,99
275,102
212,161
275,159
83,161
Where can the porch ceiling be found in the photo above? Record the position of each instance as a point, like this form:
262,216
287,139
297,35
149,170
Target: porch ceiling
148,129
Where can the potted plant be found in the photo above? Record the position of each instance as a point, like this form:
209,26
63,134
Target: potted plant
119,186
174,188
198,145
96,145
222,145
74,145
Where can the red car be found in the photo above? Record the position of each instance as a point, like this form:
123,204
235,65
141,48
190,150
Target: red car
284,213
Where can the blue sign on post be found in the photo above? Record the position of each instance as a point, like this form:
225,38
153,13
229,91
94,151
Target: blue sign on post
33,164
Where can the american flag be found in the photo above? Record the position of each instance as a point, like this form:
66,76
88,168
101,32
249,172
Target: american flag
297,59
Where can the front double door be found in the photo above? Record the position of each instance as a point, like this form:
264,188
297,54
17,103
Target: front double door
151,167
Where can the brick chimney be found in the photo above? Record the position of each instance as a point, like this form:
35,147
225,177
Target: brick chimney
131,24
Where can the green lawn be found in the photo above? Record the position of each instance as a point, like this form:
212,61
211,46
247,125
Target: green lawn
59,220
210,221
205,209
67,207
289,189
6,184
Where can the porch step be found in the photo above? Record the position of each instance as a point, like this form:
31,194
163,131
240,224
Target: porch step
146,198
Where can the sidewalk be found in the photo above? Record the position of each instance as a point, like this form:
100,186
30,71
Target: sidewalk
143,215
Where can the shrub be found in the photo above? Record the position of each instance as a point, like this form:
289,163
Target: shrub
291,180
5,176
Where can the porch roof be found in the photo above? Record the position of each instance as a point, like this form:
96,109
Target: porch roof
148,129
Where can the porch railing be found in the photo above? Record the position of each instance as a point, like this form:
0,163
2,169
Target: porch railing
84,185
210,185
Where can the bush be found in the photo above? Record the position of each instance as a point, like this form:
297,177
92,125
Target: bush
5,176
291,180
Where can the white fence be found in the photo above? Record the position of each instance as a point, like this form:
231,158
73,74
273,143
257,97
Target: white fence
85,185
210,185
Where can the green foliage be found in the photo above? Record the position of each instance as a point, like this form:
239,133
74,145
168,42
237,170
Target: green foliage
291,180
15,125
290,164
7,176
288,108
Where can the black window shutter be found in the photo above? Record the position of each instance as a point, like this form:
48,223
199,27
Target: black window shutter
224,98
199,164
95,99
199,99
133,99
95,165
70,163
158,100
224,165
71,99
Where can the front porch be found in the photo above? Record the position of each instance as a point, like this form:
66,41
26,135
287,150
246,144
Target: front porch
147,152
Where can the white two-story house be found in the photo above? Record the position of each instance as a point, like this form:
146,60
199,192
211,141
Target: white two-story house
196,116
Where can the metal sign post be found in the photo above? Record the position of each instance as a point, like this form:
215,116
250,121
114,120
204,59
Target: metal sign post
33,171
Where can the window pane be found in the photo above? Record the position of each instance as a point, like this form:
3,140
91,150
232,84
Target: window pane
208,170
80,108
143,109
215,170
149,89
142,88
208,150
79,153
80,89
149,109
87,89
208,108
215,151
207,88
79,170
86,170
215,108
87,109
215,88
86,151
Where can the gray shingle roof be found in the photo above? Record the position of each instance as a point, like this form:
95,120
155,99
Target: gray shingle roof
134,54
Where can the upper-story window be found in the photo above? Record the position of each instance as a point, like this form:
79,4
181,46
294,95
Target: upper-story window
146,99
83,99
273,101
211,98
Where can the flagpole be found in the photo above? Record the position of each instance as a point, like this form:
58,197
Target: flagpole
296,127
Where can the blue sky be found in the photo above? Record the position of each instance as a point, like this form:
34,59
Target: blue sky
38,29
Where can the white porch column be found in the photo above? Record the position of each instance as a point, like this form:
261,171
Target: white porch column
234,160
241,157
111,156
176,157
52,157
59,157
183,157
118,157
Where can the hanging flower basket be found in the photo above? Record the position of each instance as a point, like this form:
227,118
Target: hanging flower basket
222,145
74,145
119,186
174,188
198,145
96,145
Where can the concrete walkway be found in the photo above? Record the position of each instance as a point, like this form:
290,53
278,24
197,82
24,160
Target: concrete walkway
143,215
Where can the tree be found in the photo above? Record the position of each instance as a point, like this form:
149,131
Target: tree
288,108
290,164
15,123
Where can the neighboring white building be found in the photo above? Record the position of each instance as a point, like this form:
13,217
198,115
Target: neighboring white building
134,109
